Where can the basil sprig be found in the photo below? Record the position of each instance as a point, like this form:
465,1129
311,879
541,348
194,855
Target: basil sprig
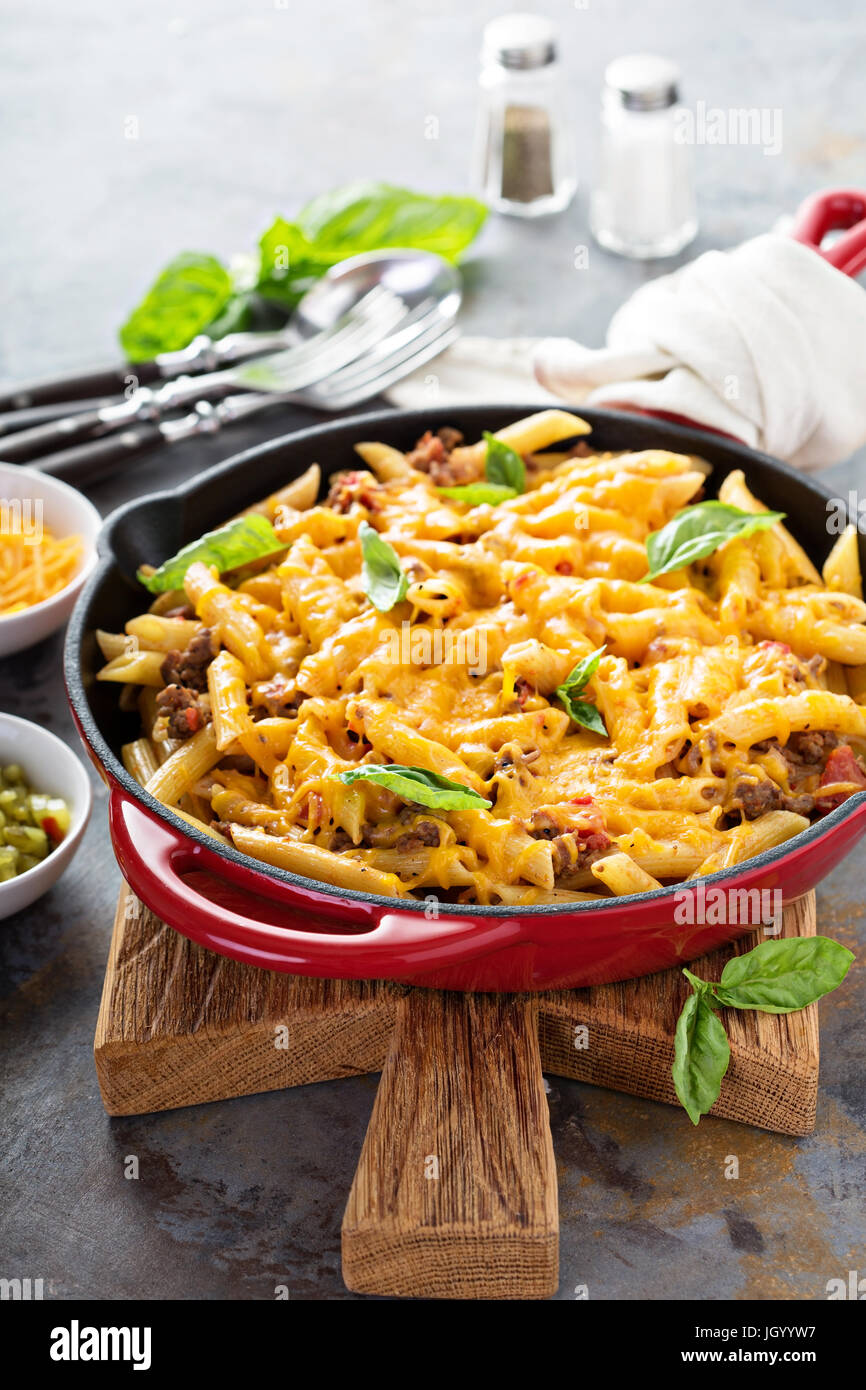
777,977
581,711
418,785
383,578
504,473
699,530
245,539
196,293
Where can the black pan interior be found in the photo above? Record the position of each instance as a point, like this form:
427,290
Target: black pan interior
150,529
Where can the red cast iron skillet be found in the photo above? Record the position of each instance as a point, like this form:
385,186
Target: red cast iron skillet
280,921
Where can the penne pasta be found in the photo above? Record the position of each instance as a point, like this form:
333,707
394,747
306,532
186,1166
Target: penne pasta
184,766
135,668
841,570
433,691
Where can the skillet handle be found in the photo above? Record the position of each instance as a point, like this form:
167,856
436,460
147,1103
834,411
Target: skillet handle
251,916
829,211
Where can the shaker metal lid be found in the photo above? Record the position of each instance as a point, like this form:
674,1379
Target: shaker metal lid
643,81
520,41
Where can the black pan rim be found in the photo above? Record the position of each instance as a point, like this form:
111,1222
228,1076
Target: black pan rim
668,434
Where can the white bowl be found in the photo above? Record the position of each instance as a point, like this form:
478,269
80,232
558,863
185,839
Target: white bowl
66,512
48,766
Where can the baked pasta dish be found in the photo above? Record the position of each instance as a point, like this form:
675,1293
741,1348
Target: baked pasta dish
510,670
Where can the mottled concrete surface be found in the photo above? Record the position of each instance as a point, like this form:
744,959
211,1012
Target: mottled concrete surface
245,109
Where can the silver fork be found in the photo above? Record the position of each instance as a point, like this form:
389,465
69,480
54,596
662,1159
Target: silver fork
418,342
370,320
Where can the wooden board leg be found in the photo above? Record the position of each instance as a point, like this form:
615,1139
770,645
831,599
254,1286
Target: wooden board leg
455,1192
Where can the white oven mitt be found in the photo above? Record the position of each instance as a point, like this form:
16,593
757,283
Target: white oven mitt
766,343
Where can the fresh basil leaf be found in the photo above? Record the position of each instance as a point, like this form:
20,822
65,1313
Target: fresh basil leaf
384,580
701,1055
503,466
780,976
477,494
196,293
242,540
289,264
699,530
368,215
186,298
360,217
583,713
418,785
578,679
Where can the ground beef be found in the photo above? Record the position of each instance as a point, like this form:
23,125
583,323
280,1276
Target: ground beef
450,437
432,454
755,799
805,753
279,697
189,668
375,836
573,851
809,748
425,833
238,762
543,825
348,488
421,833
181,707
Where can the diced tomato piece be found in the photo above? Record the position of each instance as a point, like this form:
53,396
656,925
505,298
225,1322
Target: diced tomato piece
52,829
193,719
581,800
841,766
781,646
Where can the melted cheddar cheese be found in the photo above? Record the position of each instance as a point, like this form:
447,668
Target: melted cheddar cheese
723,687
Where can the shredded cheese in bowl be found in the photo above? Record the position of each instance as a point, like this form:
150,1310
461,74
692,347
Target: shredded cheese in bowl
35,569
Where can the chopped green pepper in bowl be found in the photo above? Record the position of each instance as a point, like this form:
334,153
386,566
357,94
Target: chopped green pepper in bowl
32,823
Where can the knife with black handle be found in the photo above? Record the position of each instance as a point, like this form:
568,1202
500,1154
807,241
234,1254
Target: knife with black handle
85,463
12,421
204,354
77,386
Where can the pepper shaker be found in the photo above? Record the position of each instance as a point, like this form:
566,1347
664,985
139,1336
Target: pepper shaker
524,160
643,204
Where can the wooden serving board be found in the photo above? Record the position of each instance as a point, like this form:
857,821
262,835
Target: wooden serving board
455,1192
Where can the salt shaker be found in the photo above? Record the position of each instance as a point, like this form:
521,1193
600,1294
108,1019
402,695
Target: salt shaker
524,160
643,203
